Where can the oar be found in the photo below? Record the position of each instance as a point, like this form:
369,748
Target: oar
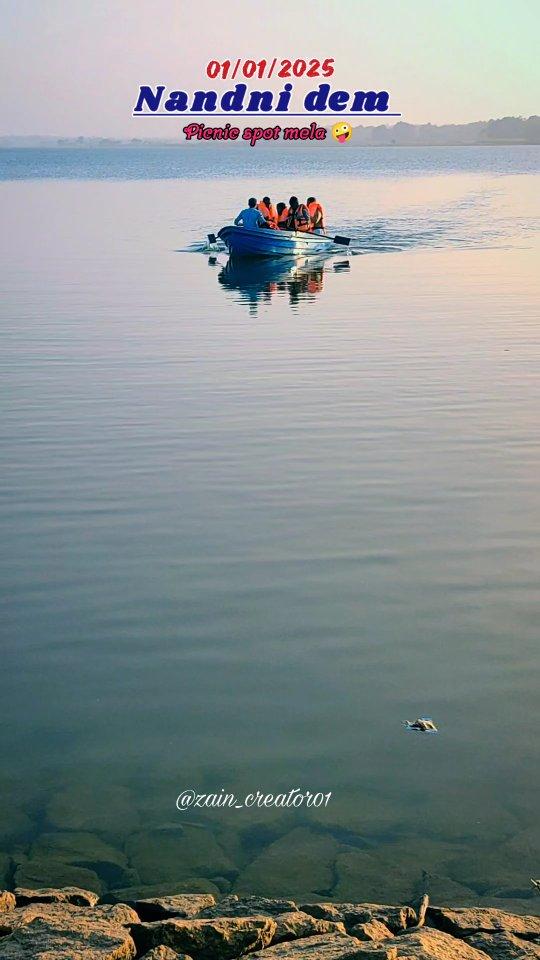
342,241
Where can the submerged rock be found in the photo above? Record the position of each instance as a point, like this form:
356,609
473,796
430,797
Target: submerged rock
158,856
444,890
363,876
220,939
191,886
501,872
111,810
86,850
465,816
75,845
75,895
302,860
5,868
15,825
468,920
55,873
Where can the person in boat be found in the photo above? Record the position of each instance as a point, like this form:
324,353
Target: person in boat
316,213
282,216
299,218
269,212
250,217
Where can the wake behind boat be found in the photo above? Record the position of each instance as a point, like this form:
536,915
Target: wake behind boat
254,242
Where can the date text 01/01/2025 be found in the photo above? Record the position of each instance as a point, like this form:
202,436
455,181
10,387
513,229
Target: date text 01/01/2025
223,69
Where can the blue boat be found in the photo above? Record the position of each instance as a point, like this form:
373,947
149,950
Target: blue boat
258,242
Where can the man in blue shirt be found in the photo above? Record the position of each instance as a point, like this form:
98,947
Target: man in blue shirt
250,217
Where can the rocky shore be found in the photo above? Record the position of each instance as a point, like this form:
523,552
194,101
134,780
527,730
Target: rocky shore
71,923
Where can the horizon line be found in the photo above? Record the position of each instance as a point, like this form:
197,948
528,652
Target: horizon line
248,113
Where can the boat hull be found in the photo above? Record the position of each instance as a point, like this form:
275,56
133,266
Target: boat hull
260,242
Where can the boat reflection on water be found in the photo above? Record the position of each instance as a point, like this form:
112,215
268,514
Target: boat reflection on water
258,281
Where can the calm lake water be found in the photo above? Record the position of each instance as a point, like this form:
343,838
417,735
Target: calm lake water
254,518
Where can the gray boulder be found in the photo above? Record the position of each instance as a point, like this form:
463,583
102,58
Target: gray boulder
64,932
420,907
371,930
233,906
428,944
335,946
469,920
7,901
164,953
75,895
395,918
182,905
351,914
119,914
324,911
292,926
219,939
505,946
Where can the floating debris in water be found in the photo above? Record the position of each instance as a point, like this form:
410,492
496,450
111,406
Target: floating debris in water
536,884
422,724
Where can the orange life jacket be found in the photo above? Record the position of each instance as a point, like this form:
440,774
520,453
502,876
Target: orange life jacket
269,214
315,282
316,213
282,218
300,219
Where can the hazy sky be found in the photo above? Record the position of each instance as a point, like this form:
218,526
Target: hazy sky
73,67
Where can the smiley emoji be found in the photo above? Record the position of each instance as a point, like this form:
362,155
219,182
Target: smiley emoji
342,131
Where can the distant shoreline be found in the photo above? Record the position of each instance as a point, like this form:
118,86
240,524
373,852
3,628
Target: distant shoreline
165,145
504,132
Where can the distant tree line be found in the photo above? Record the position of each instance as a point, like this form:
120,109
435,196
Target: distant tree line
506,130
